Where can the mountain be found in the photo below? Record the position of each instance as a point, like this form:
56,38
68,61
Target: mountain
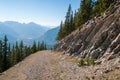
49,37
98,38
92,52
16,31
27,31
5,30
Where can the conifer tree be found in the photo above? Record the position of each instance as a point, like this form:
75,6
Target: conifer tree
68,26
104,4
72,26
17,52
9,56
1,57
21,50
42,45
38,46
13,59
84,12
100,6
5,53
61,32
34,48
75,19
67,21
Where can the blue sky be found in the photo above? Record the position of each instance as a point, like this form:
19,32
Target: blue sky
44,12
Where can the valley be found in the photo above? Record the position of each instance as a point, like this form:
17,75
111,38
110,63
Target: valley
85,46
28,33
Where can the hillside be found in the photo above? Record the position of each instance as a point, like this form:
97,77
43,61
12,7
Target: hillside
49,37
92,52
98,37
5,30
26,31
16,31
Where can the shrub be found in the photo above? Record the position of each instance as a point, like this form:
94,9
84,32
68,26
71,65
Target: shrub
81,63
116,14
90,61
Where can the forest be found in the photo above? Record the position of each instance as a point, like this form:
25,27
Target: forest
88,10
9,56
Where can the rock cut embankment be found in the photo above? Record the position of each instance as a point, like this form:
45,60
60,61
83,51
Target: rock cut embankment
98,37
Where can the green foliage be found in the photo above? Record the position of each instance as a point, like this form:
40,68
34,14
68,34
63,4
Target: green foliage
110,7
1,57
61,32
34,49
43,46
81,63
92,61
116,14
87,61
88,9
73,21
5,52
85,11
100,6
11,56
68,26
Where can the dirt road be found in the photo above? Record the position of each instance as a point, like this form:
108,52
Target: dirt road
44,65
47,65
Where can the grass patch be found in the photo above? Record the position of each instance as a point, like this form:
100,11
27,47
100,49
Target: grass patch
116,14
88,61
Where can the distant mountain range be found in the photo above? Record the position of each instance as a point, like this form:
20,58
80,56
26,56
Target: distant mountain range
50,37
16,31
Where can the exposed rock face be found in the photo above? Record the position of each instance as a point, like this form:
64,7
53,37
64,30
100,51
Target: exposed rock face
98,37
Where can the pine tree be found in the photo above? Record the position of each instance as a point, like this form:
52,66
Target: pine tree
100,6
84,12
38,47
60,33
5,53
68,26
75,19
26,52
73,22
42,45
67,21
13,59
1,57
9,56
34,48
104,4
72,26
21,46
17,52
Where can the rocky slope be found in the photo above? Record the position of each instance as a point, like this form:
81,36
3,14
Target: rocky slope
98,37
